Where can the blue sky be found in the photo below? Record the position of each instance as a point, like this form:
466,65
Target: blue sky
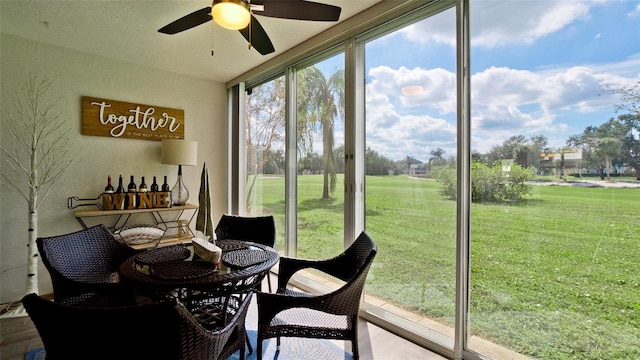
538,68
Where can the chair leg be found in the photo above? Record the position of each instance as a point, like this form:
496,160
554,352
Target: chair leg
259,347
354,346
269,281
354,338
249,344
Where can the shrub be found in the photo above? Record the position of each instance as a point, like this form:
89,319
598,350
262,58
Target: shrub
516,186
488,183
446,176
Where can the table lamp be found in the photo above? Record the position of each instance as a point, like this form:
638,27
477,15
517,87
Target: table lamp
179,152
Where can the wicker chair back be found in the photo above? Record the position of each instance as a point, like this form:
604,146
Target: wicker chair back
258,229
83,263
164,330
293,313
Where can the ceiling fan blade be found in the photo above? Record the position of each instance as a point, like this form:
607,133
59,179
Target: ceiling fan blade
298,10
188,21
259,38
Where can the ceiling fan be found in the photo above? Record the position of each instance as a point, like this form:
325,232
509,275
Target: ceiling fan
239,15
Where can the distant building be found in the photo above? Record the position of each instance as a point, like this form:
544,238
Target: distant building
565,161
417,169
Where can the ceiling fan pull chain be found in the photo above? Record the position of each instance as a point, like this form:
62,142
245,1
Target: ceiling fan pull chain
250,21
213,26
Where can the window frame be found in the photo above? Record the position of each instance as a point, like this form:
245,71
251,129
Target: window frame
351,42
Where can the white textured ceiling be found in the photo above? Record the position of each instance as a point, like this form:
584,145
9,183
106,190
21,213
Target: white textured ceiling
128,31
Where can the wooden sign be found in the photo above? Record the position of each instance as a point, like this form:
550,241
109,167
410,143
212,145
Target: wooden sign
141,200
117,119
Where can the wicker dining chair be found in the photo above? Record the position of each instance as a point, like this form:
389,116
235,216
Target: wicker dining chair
293,313
83,266
257,229
163,330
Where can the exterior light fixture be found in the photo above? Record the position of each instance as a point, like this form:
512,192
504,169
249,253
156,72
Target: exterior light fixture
231,14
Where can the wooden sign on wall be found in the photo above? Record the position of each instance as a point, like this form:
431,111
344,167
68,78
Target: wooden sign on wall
117,119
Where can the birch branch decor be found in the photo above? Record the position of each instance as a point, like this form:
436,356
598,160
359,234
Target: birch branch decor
38,155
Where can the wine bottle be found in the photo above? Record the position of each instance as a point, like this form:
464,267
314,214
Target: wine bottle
145,198
120,195
165,186
154,193
163,198
132,186
120,188
132,198
143,186
109,188
154,185
107,196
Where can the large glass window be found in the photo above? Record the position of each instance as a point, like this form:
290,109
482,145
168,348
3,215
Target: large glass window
320,145
265,161
555,173
410,142
554,242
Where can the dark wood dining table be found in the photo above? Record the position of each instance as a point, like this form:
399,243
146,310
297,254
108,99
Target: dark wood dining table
174,271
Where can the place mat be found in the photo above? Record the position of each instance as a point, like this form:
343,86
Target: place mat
164,254
230,245
244,258
180,270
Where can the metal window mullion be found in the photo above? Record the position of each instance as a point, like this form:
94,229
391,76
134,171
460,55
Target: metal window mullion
349,138
359,126
463,215
235,97
291,163
241,162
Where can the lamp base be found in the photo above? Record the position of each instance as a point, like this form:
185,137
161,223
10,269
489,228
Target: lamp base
179,192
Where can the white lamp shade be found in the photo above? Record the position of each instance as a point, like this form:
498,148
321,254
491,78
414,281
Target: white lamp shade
179,152
231,14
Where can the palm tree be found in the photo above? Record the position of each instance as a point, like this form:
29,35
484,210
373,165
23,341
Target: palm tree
436,158
608,148
320,101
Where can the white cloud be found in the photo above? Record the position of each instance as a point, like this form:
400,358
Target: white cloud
625,68
439,28
439,86
535,97
554,100
392,130
503,23
505,102
635,12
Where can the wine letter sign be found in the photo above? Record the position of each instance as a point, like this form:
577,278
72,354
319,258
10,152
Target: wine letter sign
101,117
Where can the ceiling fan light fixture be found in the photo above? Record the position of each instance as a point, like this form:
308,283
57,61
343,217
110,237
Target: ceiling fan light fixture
231,14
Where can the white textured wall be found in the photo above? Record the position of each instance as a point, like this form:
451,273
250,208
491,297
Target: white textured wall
74,75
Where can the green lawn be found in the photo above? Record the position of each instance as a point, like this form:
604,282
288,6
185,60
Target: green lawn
555,277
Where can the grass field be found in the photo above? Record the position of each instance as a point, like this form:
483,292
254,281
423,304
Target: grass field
555,277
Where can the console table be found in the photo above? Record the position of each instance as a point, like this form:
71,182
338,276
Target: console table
165,219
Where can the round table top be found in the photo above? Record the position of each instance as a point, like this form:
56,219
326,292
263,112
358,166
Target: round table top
174,266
